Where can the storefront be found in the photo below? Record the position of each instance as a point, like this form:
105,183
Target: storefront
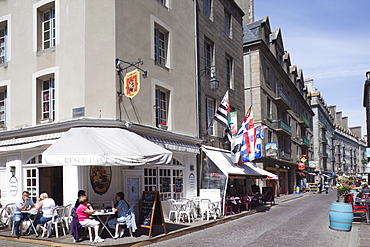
219,172
101,161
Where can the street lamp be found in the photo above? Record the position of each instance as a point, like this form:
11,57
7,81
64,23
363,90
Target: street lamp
213,82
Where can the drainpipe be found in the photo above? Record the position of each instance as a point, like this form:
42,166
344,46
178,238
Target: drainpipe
196,69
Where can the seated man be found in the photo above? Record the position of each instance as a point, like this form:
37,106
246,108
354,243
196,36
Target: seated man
83,212
121,206
24,204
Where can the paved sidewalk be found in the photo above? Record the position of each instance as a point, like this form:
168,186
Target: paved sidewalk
141,235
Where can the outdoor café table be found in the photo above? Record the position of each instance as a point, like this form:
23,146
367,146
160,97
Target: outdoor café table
28,214
100,215
366,201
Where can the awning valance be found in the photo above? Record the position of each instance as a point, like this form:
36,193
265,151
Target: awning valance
221,158
104,146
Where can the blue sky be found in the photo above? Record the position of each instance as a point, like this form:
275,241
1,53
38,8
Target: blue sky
330,41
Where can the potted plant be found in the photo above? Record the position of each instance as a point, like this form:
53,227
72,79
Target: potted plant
343,189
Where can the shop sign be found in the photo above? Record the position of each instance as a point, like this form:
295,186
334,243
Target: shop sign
192,181
131,83
13,186
271,149
301,166
100,178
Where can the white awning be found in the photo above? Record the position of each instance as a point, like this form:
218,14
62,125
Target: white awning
104,146
269,175
221,158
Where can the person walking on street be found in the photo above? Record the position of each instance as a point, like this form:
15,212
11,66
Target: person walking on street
320,187
326,185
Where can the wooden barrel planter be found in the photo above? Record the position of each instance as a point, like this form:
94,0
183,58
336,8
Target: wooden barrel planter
341,216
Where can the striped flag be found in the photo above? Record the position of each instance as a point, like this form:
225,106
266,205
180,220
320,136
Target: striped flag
252,143
223,113
238,142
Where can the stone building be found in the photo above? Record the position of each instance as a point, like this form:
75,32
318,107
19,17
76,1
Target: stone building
280,101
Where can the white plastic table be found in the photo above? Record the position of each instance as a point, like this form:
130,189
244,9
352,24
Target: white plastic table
100,215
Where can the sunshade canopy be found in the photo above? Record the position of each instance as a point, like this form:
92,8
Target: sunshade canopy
222,159
105,147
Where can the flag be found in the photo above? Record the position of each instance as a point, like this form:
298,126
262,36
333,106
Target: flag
252,143
237,142
223,113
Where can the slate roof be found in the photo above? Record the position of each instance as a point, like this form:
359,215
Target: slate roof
250,31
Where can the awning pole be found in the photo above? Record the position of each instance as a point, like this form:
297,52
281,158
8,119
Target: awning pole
223,203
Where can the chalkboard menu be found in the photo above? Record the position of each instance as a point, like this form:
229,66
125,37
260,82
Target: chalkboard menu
268,194
151,211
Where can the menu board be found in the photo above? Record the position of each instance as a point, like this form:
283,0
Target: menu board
151,211
178,185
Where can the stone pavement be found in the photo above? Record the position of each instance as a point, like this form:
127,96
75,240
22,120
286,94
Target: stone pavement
141,235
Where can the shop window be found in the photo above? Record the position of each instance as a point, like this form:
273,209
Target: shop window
31,182
167,180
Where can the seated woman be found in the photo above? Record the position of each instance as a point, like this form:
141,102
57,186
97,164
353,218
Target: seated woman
46,205
83,212
121,206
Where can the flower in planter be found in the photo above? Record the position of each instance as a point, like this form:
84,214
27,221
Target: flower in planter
345,186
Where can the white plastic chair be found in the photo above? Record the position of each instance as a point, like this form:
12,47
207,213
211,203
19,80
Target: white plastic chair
67,215
57,219
124,223
207,209
173,210
188,212
6,215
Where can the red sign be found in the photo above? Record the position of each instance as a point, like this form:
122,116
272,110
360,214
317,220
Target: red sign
301,166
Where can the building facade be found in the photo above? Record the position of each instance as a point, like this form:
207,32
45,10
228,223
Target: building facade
70,78
279,99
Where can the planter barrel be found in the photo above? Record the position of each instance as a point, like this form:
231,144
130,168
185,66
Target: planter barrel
341,216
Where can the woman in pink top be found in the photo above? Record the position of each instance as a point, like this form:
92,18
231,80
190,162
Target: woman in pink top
83,212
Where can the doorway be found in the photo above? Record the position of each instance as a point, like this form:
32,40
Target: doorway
51,182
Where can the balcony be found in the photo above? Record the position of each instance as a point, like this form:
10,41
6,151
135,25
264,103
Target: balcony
282,127
285,156
305,141
282,100
305,121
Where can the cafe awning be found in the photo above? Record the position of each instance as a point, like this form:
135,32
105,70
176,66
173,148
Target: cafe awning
221,158
105,147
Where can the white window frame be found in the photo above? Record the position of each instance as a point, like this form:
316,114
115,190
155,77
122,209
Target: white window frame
49,32
208,55
38,35
156,23
160,46
3,43
230,72
210,112
162,106
48,104
5,23
154,175
3,107
227,24
37,78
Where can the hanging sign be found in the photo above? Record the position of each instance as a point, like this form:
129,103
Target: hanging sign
131,85
301,166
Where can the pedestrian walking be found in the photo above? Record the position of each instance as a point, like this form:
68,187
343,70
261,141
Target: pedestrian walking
320,187
326,185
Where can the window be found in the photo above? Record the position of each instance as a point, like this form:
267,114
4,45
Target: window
207,8
229,72
46,24
167,180
227,24
48,99
160,46
208,56
268,108
48,29
3,108
161,103
210,111
3,42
